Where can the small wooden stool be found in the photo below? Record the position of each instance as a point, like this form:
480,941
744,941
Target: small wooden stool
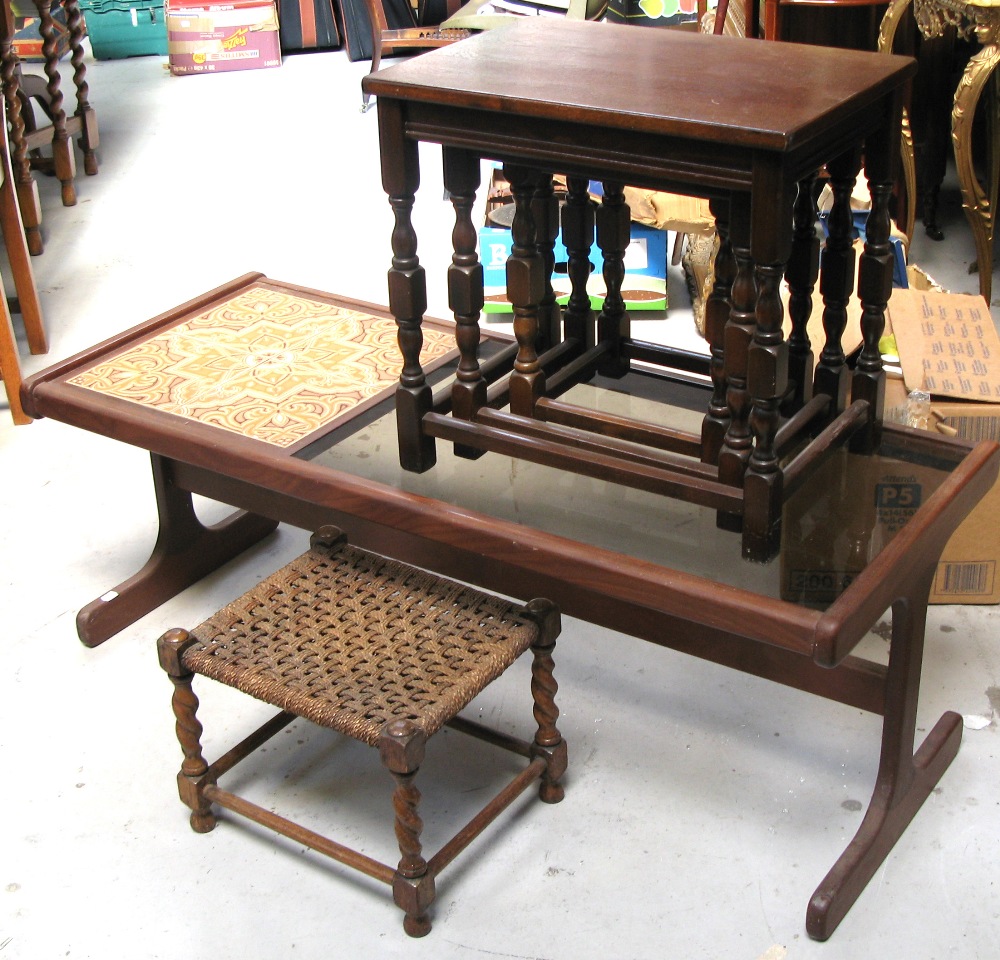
383,653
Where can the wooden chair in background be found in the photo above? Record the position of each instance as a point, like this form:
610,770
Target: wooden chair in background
402,25
397,25
50,126
27,303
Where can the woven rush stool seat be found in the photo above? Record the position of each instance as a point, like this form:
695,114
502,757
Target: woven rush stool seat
383,653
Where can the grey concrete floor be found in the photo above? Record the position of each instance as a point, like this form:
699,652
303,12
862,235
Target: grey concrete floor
703,806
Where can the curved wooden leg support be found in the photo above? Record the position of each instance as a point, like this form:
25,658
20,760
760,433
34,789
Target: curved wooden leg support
905,779
978,203
883,825
185,551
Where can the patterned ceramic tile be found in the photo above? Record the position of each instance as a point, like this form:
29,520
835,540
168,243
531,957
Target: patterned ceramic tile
267,364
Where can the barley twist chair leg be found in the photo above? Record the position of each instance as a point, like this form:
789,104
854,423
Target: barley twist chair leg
402,751
548,741
171,647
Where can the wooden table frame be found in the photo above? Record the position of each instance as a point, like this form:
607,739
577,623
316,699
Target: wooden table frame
775,115
807,649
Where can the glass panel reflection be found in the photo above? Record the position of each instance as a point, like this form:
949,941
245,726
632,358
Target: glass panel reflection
847,512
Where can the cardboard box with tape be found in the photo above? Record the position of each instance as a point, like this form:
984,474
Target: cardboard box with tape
218,37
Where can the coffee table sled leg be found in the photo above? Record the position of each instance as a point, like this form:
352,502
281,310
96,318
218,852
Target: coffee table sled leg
905,778
185,551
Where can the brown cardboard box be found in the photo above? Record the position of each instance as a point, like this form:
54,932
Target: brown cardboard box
218,37
969,568
850,510
948,346
948,342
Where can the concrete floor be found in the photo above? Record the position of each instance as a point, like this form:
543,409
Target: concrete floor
703,807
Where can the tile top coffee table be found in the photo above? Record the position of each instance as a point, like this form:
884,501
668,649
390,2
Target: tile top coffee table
656,568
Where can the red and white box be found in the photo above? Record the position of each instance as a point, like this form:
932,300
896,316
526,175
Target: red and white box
217,37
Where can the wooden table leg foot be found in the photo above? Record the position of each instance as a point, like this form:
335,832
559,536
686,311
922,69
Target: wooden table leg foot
170,569
185,551
893,806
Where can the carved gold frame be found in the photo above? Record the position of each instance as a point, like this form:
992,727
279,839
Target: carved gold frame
972,18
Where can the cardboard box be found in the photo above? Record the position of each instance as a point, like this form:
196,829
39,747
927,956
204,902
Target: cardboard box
213,38
28,38
948,346
828,541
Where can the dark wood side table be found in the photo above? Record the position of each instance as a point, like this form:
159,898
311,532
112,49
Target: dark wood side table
655,568
745,124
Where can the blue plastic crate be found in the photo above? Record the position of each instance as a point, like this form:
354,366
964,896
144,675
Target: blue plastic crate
125,28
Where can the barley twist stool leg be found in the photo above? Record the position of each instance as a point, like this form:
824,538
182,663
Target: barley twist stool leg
548,741
171,647
402,751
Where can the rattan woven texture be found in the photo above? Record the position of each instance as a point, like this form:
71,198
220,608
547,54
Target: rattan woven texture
352,640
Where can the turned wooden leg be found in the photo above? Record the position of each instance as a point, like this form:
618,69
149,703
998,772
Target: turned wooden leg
190,783
525,289
63,157
89,138
767,371
837,283
738,441
24,184
548,741
802,273
545,214
614,231
578,238
465,289
407,291
717,307
874,288
401,748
